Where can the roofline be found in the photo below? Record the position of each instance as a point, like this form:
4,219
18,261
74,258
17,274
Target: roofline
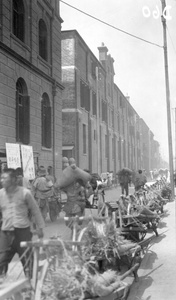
75,32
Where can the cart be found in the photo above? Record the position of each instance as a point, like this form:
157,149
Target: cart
47,256
134,226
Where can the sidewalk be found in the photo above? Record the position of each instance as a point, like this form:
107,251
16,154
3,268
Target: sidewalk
157,272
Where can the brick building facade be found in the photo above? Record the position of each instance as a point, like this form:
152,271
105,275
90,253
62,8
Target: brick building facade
101,129
30,78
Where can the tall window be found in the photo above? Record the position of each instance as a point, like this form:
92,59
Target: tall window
84,139
85,96
46,121
113,149
18,19
94,104
22,113
106,146
104,111
43,52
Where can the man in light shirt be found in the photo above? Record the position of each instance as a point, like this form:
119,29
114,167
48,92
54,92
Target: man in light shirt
16,203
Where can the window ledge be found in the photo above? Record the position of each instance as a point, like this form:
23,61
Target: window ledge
20,42
44,61
47,149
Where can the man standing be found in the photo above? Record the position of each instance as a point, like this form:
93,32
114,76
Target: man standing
16,202
43,189
124,180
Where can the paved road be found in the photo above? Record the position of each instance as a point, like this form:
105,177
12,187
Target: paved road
157,273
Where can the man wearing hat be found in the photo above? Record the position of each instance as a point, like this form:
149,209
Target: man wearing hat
43,189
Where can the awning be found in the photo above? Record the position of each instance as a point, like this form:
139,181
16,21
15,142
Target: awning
67,148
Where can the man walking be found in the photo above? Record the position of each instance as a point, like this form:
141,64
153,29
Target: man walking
140,180
16,203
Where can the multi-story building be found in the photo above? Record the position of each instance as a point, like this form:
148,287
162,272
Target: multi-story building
101,129
82,76
30,78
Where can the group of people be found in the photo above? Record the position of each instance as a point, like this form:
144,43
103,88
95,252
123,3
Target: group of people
139,179
21,203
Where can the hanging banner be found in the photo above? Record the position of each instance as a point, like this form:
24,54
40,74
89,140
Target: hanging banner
28,162
13,155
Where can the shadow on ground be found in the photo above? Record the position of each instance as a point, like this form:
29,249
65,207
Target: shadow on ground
162,224
138,288
150,258
158,238
165,214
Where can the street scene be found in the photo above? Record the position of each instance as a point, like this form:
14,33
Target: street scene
87,150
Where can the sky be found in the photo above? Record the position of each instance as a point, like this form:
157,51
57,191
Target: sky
139,66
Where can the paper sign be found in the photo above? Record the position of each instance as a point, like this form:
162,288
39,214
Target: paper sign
13,155
28,162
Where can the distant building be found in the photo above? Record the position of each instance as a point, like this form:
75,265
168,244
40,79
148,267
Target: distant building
30,78
101,129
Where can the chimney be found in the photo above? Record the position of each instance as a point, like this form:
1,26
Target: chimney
102,53
128,98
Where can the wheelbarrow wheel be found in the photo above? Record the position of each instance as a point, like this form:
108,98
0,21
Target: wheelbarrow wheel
141,236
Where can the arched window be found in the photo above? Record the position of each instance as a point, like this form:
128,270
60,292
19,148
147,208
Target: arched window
46,121
22,112
18,19
43,40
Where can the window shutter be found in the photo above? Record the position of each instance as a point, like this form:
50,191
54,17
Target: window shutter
26,103
17,116
87,98
48,127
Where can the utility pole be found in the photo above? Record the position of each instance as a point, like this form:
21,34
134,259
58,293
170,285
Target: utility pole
98,122
175,139
168,100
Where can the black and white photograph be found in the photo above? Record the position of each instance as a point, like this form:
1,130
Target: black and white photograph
87,149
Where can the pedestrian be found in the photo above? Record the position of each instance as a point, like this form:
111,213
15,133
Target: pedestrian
15,204
43,189
22,181
140,180
65,163
124,180
76,199
50,175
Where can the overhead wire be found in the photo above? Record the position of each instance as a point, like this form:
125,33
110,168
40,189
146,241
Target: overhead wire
112,26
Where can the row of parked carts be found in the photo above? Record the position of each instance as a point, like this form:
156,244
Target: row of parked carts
103,251
140,213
